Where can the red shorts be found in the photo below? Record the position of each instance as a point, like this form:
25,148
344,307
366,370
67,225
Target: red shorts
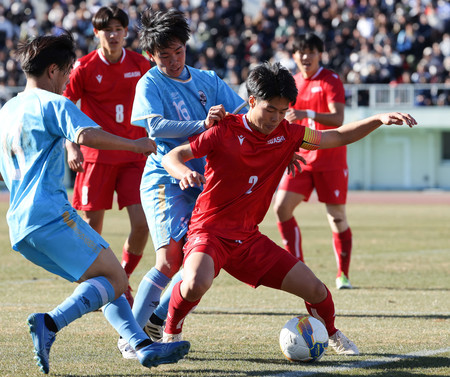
94,189
254,261
331,186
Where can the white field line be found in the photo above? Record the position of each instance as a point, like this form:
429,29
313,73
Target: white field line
364,364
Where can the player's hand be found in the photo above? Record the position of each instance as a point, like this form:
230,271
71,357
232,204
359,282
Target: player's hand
192,179
398,118
293,115
74,157
295,163
215,114
145,145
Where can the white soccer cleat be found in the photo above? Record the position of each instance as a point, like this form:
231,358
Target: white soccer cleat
342,345
170,338
154,331
126,350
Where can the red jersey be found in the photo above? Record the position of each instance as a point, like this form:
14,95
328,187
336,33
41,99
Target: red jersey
243,169
107,91
315,94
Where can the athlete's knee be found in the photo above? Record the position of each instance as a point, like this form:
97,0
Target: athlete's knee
196,286
318,292
282,211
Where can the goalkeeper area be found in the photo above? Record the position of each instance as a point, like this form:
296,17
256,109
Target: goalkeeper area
398,313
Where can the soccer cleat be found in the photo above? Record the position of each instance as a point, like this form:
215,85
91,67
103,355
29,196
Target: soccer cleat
342,282
126,350
170,338
162,353
342,345
129,296
42,338
154,331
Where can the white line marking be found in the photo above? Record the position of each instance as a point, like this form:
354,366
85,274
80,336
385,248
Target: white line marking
364,364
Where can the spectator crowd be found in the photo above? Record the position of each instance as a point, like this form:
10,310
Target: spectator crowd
366,41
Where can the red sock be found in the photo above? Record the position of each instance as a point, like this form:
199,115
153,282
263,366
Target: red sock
292,237
129,261
324,312
342,243
179,308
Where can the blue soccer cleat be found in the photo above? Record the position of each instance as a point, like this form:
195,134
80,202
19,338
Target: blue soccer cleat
42,338
162,353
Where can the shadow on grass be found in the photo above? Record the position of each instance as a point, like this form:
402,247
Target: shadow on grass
352,315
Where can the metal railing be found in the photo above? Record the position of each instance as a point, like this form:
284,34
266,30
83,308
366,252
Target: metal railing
400,95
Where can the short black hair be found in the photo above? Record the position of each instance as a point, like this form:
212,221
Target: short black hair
102,17
267,81
38,53
307,41
161,28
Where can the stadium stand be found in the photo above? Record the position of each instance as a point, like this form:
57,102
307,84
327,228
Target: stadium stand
367,41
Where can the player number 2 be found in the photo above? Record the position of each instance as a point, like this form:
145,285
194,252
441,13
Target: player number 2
119,113
253,179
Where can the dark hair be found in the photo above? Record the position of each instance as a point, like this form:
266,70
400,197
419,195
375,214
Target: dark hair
267,81
161,28
308,41
36,54
105,14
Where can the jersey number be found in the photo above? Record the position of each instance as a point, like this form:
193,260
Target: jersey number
253,179
182,111
119,113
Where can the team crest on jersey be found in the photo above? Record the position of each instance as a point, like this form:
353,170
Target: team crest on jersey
99,78
202,95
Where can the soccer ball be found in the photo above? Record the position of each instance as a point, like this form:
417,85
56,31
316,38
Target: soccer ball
303,338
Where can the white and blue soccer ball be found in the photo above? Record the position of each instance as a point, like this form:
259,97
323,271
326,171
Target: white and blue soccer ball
303,338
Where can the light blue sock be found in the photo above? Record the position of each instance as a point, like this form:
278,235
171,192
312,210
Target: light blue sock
148,295
119,315
90,295
163,307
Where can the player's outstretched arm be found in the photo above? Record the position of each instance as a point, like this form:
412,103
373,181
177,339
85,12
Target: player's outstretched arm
351,132
99,139
174,163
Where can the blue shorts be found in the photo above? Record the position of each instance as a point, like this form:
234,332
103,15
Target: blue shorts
168,210
66,247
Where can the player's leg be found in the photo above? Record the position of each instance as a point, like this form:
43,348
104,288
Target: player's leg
291,192
198,276
168,262
332,189
128,196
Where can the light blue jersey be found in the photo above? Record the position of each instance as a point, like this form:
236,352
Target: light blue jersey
160,96
33,128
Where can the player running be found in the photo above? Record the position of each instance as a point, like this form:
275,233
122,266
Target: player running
246,156
173,101
105,81
44,227
320,107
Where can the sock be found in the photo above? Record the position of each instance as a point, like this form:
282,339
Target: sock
324,312
292,237
163,307
129,261
342,243
148,295
179,308
119,315
90,295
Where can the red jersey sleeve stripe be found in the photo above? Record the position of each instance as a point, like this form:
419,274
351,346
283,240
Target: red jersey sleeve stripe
311,139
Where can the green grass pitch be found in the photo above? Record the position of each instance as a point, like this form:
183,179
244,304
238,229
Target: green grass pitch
398,314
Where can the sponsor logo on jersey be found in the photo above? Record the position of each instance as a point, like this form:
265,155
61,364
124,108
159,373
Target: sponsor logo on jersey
316,89
202,95
127,75
99,78
241,139
278,139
